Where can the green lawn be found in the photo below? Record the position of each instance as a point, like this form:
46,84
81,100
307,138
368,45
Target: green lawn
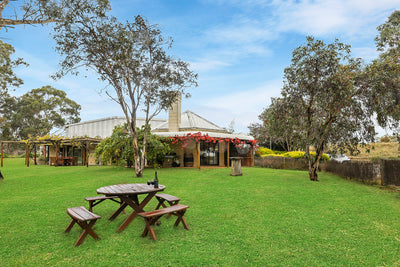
265,217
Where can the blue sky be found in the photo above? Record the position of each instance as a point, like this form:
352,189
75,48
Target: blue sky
239,48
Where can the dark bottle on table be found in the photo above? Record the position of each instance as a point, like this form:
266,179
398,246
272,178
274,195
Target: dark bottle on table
156,181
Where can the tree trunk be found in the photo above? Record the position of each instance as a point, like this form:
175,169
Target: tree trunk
313,172
313,167
138,169
143,155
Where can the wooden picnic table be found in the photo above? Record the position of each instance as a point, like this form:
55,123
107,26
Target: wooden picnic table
128,193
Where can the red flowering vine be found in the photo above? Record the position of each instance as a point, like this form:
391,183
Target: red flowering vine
197,137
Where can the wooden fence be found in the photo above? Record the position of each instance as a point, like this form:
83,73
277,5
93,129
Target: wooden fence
385,171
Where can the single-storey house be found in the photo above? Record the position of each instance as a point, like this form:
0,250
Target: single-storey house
197,141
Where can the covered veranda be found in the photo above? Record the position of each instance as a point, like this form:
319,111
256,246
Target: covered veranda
56,151
209,149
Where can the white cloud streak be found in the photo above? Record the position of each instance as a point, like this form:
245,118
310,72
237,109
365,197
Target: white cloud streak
241,106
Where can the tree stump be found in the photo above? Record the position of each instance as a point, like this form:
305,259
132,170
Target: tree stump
236,163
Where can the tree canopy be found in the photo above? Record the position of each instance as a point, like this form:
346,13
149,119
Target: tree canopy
131,58
322,100
383,74
119,147
29,12
281,132
37,112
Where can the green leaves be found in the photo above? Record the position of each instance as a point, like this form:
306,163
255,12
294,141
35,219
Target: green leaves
383,74
39,111
8,79
388,39
119,146
322,101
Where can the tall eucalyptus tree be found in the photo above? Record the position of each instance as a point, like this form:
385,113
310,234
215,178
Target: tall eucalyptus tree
323,89
132,59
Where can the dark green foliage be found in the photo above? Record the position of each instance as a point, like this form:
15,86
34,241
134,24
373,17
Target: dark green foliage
277,132
119,147
322,101
37,112
382,75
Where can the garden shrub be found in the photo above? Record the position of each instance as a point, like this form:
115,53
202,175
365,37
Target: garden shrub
294,154
264,151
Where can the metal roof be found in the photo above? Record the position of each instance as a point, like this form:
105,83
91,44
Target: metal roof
240,136
103,128
192,121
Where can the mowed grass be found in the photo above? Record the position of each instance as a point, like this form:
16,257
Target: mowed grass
265,217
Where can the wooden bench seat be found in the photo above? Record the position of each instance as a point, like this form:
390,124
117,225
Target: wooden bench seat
172,200
151,217
93,201
85,219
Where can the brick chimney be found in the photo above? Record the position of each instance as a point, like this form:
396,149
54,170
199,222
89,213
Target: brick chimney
174,119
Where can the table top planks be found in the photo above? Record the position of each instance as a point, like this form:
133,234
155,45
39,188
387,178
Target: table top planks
129,189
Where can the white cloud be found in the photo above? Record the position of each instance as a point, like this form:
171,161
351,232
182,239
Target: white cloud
205,65
247,98
331,16
262,22
236,39
317,17
366,53
243,107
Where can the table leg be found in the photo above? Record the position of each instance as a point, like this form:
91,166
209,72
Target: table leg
134,203
118,211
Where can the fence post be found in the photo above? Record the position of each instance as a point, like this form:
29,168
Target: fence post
383,174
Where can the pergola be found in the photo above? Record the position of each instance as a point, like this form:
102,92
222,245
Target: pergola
57,142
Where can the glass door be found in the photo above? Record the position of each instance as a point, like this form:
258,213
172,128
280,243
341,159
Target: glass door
209,154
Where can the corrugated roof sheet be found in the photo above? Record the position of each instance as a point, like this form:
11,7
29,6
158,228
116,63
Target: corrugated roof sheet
103,127
192,121
240,136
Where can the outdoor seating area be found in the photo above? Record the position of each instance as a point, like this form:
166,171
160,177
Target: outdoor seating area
128,195
63,161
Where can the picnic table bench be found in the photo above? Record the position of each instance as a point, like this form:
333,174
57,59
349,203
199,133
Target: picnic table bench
151,218
93,201
85,219
162,197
